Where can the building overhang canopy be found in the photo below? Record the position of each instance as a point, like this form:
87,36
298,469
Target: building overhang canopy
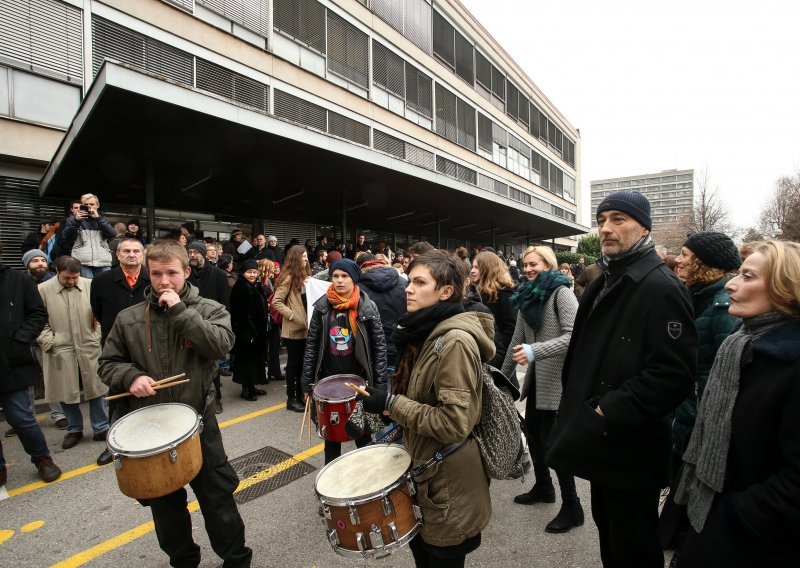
208,154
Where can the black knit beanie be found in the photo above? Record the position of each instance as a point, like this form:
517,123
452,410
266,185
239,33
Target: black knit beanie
632,203
248,264
715,250
348,266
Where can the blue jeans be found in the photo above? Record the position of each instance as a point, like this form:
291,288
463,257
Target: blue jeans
90,271
55,407
17,407
98,416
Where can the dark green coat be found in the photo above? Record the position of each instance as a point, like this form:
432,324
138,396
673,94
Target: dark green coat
713,324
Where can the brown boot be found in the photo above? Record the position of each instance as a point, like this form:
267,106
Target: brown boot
48,471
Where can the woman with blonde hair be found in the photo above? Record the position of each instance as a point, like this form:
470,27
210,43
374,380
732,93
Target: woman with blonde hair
741,476
289,300
542,334
266,277
493,282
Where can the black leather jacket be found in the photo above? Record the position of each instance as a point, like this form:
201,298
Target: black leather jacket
370,348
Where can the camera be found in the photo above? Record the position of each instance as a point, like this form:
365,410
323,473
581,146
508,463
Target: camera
84,208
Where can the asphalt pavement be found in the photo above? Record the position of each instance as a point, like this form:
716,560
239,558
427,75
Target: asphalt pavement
84,520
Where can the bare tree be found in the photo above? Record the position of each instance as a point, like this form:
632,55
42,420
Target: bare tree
780,217
710,213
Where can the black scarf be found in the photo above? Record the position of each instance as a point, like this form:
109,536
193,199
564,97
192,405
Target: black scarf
418,325
531,296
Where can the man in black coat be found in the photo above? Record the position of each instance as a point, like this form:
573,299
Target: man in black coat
212,283
630,363
24,316
121,287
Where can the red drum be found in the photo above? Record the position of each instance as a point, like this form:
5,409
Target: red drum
335,402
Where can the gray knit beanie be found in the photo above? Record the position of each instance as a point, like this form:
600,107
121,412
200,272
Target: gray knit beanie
30,255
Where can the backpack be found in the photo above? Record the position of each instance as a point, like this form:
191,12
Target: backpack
276,316
499,430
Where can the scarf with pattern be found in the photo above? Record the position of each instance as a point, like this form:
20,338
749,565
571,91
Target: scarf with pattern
531,296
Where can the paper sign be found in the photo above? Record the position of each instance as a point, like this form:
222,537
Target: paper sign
244,247
315,289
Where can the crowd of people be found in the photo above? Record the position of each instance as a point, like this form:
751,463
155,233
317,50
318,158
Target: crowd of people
639,374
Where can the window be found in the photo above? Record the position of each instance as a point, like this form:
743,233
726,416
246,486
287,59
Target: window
304,20
388,70
465,64
250,14
444,40
42,100
512,101
348,51
419,91
484,132
455,119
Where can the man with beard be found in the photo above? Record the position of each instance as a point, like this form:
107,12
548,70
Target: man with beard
175,330
212,283
631,361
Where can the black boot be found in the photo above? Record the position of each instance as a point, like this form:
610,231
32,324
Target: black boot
570,515
296,405
539,493
248,394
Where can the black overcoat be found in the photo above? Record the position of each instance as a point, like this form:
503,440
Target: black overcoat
634,354
111,293
756,519
22,317
250,326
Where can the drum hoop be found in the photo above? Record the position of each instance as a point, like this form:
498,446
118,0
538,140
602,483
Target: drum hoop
368,497
160,449
322,398
388,549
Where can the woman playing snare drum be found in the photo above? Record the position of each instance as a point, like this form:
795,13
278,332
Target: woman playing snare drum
345,338
436,398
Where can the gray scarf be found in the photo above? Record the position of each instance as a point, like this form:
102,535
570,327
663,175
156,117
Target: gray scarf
707,454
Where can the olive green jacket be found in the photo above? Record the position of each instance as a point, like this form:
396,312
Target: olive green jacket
189,337
442,405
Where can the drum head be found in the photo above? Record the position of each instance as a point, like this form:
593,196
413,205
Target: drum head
363,472
333,388
151,429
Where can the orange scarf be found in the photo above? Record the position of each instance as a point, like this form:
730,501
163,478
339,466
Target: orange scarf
351,305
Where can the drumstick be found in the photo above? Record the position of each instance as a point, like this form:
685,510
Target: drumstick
312,408
155,387
303,423
357,388
168,379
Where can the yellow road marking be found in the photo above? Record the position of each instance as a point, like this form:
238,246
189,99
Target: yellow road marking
30,527
128,536
87,468
5,534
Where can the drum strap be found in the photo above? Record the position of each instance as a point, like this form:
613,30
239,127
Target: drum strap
437,457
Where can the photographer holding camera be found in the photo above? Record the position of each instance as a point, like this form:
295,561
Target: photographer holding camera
84,236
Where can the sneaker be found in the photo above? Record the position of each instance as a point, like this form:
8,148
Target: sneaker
10,433
3,475
62,423
71,440
48,471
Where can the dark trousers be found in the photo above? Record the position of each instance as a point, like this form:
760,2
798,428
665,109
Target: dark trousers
334,449
274,352
214,487
296,350
538,426
627,522
17,408
430,556
217,386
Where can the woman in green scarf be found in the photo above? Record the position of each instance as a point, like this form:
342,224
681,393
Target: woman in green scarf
547,310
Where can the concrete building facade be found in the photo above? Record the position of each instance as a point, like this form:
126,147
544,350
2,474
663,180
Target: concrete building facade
671,194
404,118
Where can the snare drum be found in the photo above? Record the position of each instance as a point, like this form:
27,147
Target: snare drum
156,449
334,402
367,501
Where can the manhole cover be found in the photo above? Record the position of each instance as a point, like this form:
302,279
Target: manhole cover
264,470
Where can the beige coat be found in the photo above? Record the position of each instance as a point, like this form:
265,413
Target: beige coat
441,407
290,306
70,341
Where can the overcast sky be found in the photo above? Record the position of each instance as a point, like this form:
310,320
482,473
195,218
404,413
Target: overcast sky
703,84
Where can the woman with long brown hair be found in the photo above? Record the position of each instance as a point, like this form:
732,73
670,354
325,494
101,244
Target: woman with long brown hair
289,301
491,278
266,277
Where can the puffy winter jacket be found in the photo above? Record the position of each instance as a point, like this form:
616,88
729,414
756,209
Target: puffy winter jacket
388,290
87,240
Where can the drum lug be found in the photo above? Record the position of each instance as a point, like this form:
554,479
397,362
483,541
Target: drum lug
417,512
412,488
375,537
387,506
326,511
393,529
347,407
117,461
334,418
333,538
173,455
200,426
362,545
323,431
354,519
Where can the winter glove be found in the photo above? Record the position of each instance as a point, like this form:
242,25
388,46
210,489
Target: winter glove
377,401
